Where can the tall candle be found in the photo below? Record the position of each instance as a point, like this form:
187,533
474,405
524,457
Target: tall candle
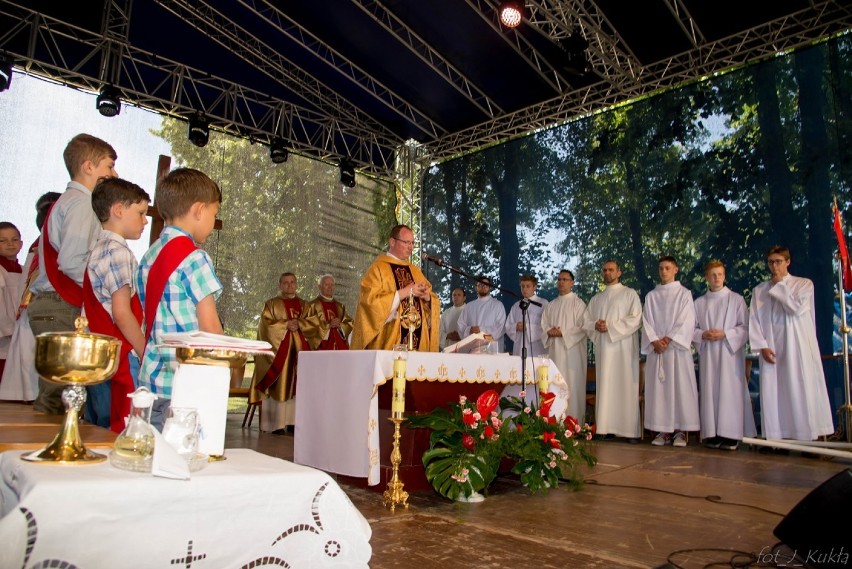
398,399
541,376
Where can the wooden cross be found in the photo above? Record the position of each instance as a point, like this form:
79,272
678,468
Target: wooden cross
157,222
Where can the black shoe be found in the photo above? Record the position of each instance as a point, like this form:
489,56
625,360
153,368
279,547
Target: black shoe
728,444
712,442
279,432
633,440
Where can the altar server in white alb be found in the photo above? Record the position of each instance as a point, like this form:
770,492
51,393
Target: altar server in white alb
793,397
721,332
526,332
566,341
668,325
450,320
611,321
484,315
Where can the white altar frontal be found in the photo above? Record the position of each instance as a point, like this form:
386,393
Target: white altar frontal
337,407
249,510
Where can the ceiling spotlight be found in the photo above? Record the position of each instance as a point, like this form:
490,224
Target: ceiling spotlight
5,73
109,101
511,13
278,153
347,173
199,130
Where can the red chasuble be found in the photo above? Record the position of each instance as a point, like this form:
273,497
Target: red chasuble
335,340
287,355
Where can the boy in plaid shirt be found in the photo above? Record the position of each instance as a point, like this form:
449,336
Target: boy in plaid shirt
176,282
110,302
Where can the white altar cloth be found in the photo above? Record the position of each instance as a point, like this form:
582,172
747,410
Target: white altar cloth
337,409
231,514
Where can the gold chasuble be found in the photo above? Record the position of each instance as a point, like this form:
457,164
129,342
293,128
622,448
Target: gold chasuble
318,332
382,280
276,377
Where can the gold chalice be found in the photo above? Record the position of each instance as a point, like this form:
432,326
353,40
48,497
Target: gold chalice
220,357
75,359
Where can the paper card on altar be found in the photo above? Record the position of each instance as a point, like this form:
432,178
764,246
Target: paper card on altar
205,388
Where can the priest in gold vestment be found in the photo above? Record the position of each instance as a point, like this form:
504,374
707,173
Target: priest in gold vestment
391,288
274,379
327,324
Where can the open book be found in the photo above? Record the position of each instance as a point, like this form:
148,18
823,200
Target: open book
206,340
474,344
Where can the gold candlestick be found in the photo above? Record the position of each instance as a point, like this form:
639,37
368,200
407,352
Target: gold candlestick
395,494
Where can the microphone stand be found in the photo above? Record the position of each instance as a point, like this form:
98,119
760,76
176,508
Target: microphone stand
524,304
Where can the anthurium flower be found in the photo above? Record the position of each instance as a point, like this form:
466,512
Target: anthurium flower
572,424
487,402
547,400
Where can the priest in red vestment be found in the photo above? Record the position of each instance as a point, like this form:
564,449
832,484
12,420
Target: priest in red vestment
274,379
328,324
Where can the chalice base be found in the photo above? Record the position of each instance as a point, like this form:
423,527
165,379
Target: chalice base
67,446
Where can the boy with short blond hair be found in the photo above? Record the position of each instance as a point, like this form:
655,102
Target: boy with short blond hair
109,297
176,281
10,283
68,234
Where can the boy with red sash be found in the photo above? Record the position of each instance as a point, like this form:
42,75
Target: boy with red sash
110,302
176,282
66,239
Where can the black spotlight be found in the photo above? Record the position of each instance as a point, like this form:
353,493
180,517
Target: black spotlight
347,173
199,130
511,13
109,101
278,153
5,73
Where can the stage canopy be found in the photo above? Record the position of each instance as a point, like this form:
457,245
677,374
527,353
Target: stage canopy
336,79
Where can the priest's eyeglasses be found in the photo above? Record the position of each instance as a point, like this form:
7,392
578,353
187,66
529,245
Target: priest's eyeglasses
403,241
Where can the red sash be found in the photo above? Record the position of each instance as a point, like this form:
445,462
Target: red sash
68,289
100,322
274,371
170,257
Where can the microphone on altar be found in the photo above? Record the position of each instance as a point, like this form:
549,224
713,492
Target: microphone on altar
436,260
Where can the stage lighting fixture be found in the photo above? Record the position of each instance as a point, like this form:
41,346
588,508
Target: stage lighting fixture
511,13
5,73
347,173
278,153
109,101
199,130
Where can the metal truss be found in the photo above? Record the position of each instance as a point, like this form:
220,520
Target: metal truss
76,57
820,20
412,163
267,11
317,122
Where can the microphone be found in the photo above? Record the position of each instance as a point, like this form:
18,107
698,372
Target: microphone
436,260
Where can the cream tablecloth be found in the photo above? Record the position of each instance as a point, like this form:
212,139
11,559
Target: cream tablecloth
231,514
337,408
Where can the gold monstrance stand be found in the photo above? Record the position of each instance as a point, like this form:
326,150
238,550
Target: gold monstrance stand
75,359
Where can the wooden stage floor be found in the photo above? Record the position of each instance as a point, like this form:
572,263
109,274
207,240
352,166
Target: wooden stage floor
642,506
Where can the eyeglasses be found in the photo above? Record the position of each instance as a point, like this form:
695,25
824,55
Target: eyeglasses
404,241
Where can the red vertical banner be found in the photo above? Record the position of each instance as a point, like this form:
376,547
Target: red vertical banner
843,251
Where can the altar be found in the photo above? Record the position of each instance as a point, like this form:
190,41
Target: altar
343,403
248,510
